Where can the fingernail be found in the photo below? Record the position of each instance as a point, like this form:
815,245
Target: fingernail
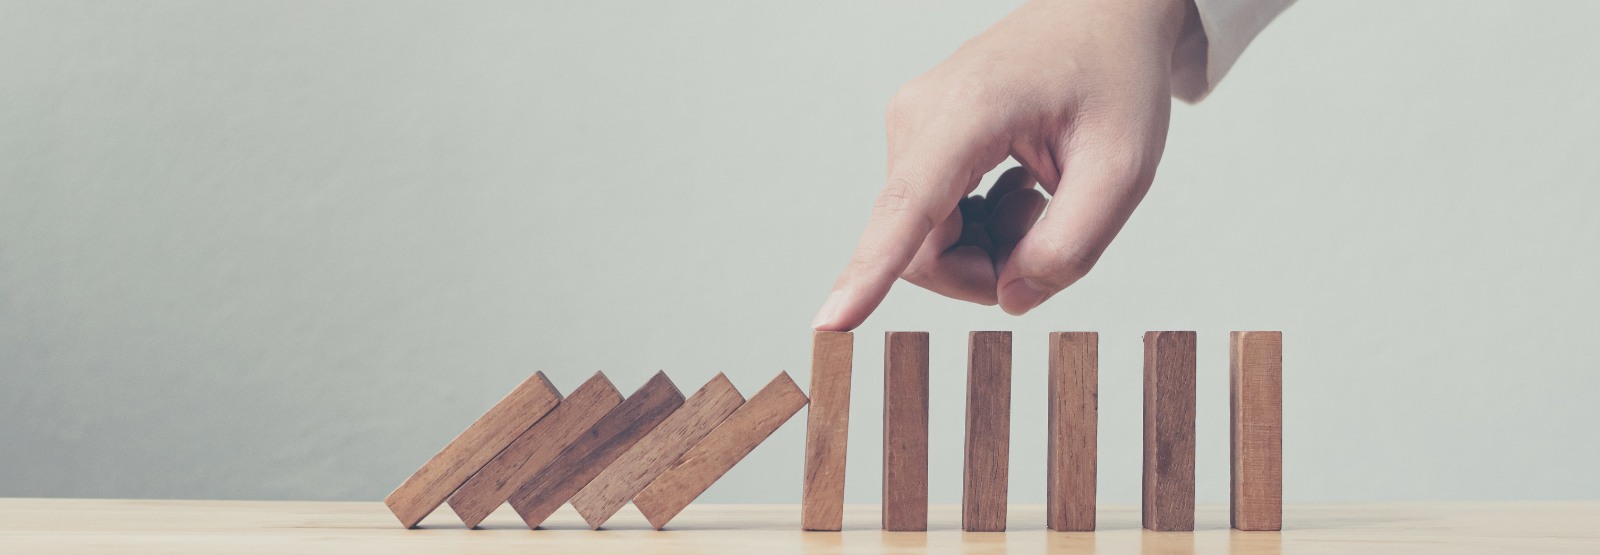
1021,297
830,310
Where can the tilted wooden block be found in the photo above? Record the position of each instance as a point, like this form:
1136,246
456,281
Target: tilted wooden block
534,449
987,465
647,459
905,431
827,431
471,450
1169,397
1073,414
1256,434
725,446
540,496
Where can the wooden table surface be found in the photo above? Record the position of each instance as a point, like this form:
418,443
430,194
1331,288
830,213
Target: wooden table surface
29,526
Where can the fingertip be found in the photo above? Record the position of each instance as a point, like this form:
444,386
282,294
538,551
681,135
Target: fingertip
1017,297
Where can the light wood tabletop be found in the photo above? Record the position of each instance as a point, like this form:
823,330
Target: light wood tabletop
30,526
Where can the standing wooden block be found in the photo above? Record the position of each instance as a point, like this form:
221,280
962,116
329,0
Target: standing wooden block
905,431
1256,429
725,446
534,449
540,496
827,431
647,459
983,496
471,450
1169,430
1073,414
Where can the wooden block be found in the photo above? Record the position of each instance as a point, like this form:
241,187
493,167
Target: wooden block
1256,429
534,449
827,431
471,450
1168,503
905,431
624,426
1073,393
657,451
725,446
983,495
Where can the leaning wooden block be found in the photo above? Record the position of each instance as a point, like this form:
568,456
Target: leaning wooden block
471,450
987,465
534,449
725,446
1073,393
1256,429
540,496
657,451
1169,395
827,431
905,431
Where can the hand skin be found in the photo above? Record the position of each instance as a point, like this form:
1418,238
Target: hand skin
1078,92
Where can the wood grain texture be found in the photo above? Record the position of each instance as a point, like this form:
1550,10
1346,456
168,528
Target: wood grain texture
905,431
534,449
724,447
1169,397
472,449
596,449
153,526
988,448
657,451
1255,417
1073,414
827,431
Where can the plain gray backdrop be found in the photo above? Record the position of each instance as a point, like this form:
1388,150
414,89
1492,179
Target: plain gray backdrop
287,250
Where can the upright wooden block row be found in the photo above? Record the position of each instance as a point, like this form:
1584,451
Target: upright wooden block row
471,450
827,431
708,460
1073,413
659,449
905,431
1169,397
534,450
596,449
1256,429
988,449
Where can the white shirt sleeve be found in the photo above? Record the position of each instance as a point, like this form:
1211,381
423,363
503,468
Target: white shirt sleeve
1208,48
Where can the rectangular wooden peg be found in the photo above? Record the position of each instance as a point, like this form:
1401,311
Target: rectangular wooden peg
1256,430
534,449
827,431
472,449
596,449
1073,397
724,447
988,433
647,459
1169,399
905,431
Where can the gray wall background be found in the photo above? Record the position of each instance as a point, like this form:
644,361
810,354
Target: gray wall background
288,249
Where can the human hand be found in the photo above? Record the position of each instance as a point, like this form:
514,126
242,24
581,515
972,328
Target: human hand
1078,92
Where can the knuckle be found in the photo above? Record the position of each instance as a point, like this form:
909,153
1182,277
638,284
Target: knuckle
899,200
1060,265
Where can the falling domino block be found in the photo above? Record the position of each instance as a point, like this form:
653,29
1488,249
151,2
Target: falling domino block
1169,397
983,498
1256,429
725,446
534,450
471,450
540,496
1073,411
827,431
647,459
905,431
